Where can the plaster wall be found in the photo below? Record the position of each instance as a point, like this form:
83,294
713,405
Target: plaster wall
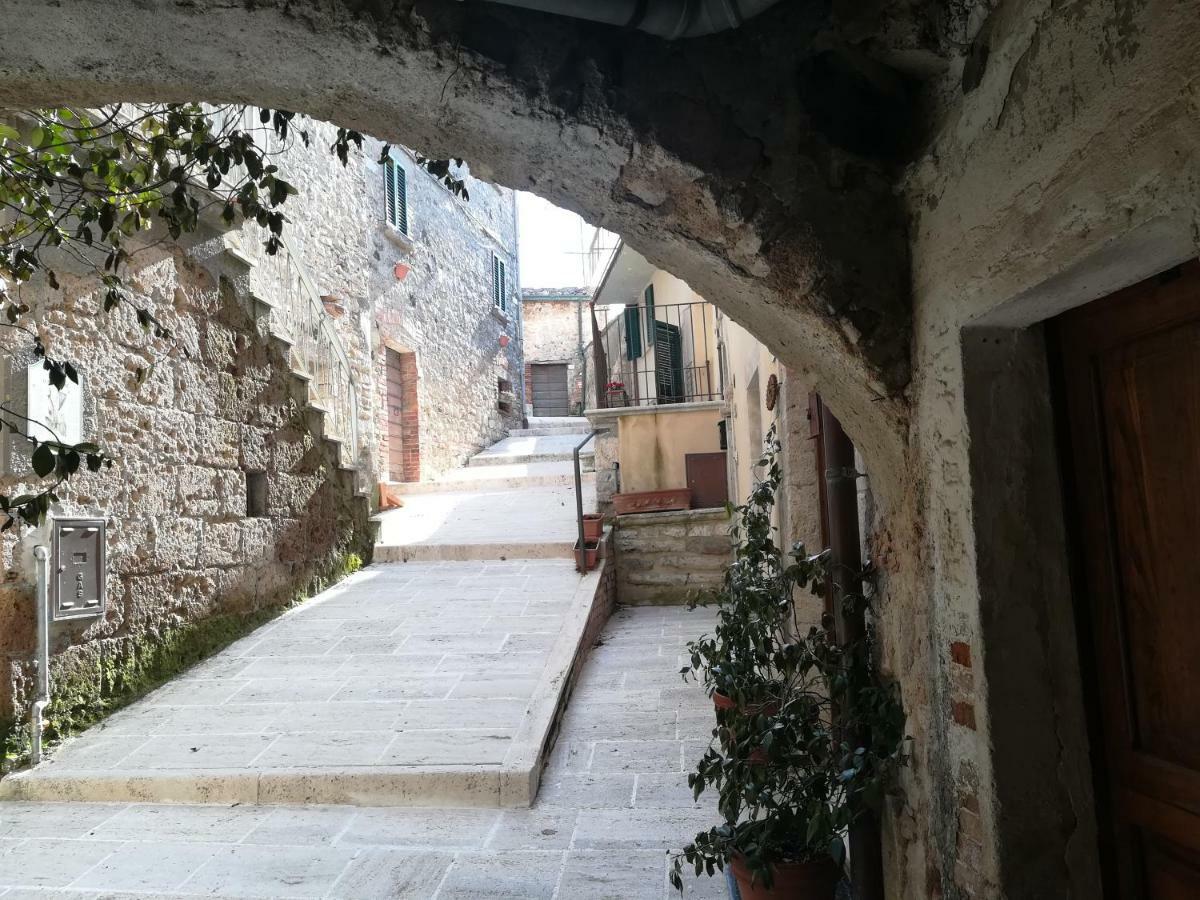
1069,172
653,445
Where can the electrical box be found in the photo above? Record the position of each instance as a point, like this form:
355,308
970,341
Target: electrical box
77,568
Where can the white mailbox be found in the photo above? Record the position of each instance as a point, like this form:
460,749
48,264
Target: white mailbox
77,568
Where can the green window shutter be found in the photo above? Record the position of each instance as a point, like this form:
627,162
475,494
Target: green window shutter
396,188
648,295
499,276
633,332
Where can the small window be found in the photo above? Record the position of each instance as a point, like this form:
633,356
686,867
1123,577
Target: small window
396,189
499,283
256,495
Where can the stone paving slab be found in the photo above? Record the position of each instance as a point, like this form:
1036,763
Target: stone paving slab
405,684
591,835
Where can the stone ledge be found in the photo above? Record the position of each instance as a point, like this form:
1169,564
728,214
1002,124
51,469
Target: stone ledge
599,417
674,517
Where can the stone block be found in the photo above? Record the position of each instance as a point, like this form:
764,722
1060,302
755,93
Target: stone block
176,542
221,544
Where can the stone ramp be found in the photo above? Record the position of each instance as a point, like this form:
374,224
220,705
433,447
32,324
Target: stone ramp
419,684
500,477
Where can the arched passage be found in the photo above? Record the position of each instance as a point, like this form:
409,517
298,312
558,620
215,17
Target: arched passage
715,162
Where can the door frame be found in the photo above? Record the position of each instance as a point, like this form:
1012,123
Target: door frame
1047,838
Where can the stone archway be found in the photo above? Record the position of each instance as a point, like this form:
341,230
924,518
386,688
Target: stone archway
714,161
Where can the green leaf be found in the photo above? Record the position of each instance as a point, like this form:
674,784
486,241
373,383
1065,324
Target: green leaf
8,133
43,460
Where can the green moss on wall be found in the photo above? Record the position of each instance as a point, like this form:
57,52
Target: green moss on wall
91,681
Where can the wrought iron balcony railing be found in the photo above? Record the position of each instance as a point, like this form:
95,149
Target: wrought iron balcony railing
660,354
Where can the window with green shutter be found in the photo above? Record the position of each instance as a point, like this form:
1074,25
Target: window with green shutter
499,283
648,295
633,332
396,189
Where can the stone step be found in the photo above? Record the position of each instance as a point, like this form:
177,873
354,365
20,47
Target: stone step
547,430
579,422
587,459
516,476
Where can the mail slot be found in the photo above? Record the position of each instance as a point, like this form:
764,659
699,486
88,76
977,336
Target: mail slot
77,562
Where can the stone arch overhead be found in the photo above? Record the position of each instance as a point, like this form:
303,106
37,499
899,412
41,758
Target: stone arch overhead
756,165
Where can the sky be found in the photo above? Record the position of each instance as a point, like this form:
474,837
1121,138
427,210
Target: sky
551,244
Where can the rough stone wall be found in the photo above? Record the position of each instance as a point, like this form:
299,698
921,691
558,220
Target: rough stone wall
553,331
183,552
1062,167
442,310
669,557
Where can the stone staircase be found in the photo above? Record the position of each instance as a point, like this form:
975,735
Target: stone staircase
281,296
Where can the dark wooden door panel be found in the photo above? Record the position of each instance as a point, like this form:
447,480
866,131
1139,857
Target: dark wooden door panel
550,395
1131,365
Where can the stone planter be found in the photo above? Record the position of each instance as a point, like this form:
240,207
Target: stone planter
652,501
816,880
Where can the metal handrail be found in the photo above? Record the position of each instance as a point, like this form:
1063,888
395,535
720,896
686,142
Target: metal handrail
582,559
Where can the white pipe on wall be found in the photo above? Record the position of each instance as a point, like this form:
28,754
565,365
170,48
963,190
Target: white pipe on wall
42,699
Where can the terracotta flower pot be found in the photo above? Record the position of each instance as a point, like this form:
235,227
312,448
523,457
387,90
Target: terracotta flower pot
652,501
593,527
816,880
587,557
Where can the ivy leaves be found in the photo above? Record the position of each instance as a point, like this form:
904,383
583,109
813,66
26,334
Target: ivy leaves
808,736
90,189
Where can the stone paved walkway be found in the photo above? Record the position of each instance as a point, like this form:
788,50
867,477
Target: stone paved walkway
413,681
614,798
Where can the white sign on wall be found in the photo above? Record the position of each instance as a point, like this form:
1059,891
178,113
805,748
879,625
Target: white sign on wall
53,414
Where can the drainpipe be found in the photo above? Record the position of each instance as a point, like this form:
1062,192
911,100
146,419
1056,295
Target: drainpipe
670,19
42,698
841,478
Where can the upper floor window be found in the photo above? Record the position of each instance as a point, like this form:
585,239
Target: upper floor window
499,283
396,189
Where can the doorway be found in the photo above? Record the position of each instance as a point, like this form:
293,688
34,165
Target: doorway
550,395
1131,416
403,422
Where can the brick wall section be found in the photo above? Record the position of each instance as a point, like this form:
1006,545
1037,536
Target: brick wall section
410,418
666,557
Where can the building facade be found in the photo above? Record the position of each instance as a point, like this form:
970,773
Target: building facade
381,343
558,338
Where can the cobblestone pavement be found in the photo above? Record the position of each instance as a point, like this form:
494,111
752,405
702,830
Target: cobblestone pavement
613,801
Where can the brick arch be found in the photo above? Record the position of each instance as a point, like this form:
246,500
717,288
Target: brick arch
700,153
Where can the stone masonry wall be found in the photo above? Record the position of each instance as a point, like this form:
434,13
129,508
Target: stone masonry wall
552,335
440,306
188,566
667,557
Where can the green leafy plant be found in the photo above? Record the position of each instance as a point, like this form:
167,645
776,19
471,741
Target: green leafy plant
808,737
88,190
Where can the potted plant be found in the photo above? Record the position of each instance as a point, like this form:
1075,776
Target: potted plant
614,393
808,738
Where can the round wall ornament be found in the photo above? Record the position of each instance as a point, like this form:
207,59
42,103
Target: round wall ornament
772,392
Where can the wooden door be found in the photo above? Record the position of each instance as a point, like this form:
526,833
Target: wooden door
550,396
1131,369
395,409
